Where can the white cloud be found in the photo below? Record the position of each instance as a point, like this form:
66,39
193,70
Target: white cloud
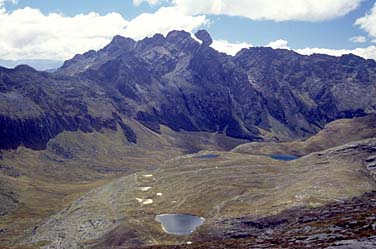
367,52
368,22
151,2
228,47
358,39
276,10
162,21
29,34
282,44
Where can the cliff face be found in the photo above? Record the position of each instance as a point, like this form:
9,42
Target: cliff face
307,91
36,106
183,83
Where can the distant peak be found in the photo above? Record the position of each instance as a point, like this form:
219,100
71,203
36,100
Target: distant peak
204,36
120,42
24,67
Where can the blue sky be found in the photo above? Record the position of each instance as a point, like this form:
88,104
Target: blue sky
56,29
329,34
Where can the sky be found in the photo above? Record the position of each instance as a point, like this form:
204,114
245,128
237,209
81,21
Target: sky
56,30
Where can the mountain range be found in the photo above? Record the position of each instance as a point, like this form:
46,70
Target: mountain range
179,81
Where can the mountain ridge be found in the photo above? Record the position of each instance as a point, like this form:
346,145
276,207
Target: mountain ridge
184,84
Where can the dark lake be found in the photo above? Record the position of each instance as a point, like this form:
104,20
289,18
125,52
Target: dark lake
179,224
209,156
283,157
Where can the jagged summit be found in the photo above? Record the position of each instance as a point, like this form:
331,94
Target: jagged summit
179,40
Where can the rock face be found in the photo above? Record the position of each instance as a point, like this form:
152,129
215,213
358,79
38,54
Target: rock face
181,83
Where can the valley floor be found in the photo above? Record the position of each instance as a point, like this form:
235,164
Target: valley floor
96,199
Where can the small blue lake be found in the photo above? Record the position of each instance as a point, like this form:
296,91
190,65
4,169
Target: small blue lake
209,156
179,224
283,157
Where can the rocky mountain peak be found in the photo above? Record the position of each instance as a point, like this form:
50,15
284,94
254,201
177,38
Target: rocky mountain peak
25,68
204,36
120,42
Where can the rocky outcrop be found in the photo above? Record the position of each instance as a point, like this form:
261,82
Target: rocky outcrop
371,164
205,37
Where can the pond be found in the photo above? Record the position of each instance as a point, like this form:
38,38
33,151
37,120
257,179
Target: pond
209,156
283,157
179,224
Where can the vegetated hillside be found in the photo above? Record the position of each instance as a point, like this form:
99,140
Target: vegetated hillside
182,83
